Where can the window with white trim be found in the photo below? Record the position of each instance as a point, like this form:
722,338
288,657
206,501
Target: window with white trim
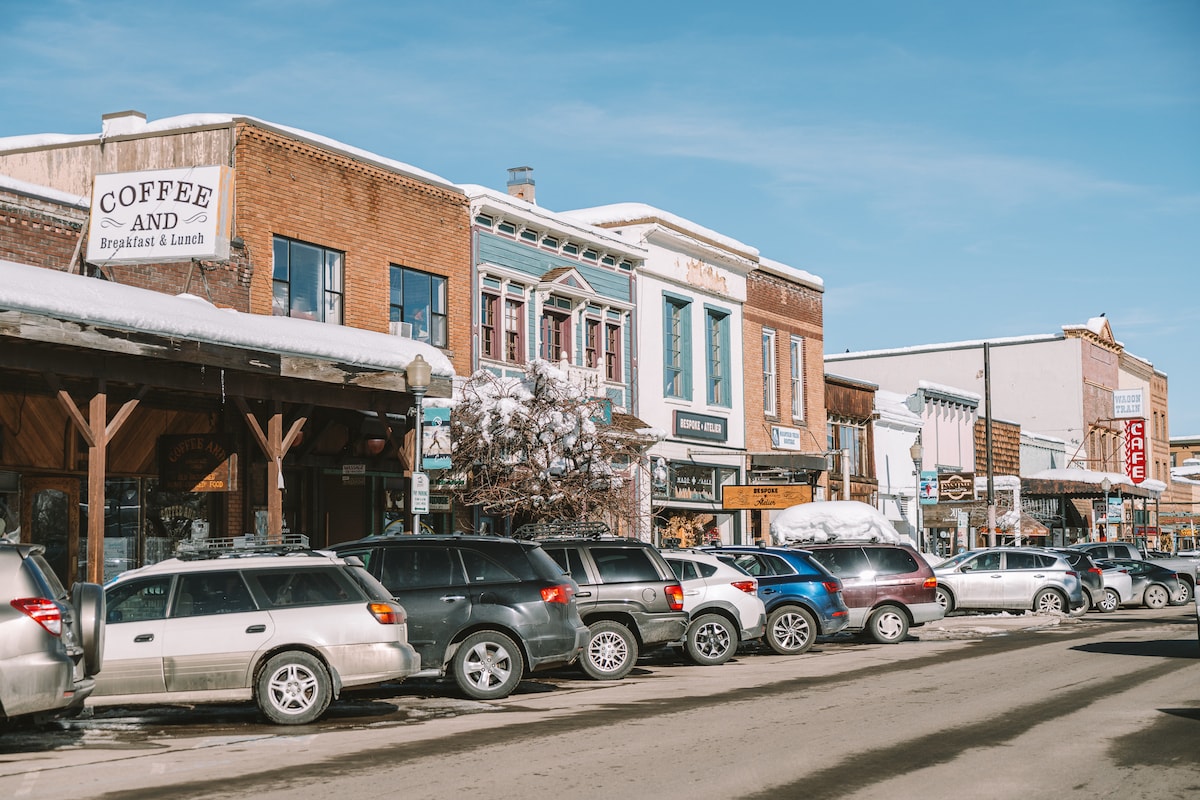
770,374
797,366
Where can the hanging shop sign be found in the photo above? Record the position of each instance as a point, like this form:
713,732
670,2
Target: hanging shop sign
749,497
1135,449
197,463
1128,403
955,487
693,482
161,215
701,426
785,438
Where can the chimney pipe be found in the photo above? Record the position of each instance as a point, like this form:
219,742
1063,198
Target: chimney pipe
520,183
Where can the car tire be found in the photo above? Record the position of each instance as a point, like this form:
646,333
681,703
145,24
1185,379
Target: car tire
1184,596
88,599
711,639
611,652
791,630
1156,596
293,688
488,666
888,625
1050,601
1109,602
944,599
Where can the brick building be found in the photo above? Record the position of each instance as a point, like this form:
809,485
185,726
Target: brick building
316,230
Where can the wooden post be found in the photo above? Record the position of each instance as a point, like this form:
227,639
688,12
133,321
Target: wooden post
274,445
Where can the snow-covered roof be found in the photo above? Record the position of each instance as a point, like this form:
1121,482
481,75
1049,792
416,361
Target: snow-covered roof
136,125
1117,479
929,387
9,183
1041,437
77,298
640,214
552,220
969,344
791,273
893,409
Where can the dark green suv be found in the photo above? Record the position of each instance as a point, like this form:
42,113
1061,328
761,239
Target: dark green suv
628,597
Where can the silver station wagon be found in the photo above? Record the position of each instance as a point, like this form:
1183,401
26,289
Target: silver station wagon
289,630
1013,578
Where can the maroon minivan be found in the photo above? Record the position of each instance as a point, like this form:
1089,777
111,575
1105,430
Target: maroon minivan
887,587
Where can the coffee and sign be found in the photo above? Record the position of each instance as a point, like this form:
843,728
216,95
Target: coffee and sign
198,462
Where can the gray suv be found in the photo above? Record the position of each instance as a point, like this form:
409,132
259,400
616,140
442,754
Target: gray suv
628,597
51,643
485,609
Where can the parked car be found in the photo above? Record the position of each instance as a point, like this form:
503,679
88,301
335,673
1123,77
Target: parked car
888,588
803,599
1152,585
1092,578
287,628
1118,587
628,596
722,603
485,609
1014,578
1186,568
51,642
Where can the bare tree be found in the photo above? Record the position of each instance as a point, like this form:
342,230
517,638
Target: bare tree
537,448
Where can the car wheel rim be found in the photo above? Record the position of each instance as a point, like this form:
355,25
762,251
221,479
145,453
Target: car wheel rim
608,651
1110,601
712,640
293,689
1156,597
1050,602
791,631
890,626
487,665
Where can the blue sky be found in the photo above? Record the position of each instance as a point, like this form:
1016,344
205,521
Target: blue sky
952,170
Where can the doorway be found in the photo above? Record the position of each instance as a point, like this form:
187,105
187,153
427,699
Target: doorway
50,517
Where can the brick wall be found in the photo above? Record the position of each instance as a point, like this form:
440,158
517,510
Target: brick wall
790,310
376,217
39,233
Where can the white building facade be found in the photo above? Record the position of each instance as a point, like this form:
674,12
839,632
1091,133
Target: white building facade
689,294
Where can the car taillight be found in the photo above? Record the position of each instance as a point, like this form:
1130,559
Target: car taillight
930,582
675,596
558,594
42,611
749,587
387,614
1073,573
1096,570
832,586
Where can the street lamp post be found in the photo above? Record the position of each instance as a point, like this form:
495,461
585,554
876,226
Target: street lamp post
1106,485
918,458
417,376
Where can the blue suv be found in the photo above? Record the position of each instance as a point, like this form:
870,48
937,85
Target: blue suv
803,599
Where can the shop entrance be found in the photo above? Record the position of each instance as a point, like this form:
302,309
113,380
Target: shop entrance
50,517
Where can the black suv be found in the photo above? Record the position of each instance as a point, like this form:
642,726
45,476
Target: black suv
628,596
485,608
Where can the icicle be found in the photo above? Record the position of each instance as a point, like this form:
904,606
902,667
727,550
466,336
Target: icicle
222,386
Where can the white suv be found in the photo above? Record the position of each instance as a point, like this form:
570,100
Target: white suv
722,603
288,628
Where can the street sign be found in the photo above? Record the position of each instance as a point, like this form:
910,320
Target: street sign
419,500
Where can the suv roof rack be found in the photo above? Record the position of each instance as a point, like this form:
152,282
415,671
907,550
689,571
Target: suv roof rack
581,529
241,546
